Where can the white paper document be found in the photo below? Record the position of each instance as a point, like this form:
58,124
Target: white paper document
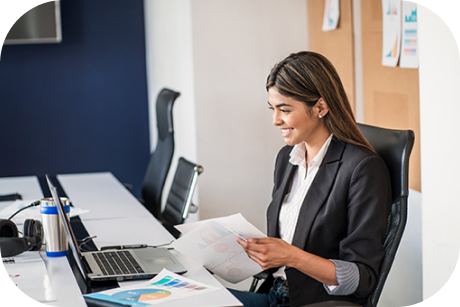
212,243
409,44
166,286
391,46
28,272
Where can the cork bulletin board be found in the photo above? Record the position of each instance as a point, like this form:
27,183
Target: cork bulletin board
390,94
336,45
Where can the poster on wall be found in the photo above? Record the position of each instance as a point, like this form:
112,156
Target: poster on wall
391,10
331,15
409,43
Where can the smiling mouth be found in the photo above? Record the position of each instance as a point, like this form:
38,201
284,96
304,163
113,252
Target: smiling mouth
286,131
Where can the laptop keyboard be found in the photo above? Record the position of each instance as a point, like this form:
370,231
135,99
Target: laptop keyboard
117,263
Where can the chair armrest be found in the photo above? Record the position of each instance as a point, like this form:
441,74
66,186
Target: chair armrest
193,208
263,274
256,278
333,304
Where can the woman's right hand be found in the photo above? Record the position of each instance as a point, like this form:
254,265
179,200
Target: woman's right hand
267,252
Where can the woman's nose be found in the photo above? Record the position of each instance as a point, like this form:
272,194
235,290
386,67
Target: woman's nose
276,120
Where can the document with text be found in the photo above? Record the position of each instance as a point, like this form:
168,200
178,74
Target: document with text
212,243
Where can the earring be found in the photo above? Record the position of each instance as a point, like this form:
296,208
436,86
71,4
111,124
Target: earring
320,116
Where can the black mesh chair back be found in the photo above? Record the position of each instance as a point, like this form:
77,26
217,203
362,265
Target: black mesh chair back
179,202
160,159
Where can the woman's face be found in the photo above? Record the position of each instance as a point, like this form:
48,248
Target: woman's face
297,122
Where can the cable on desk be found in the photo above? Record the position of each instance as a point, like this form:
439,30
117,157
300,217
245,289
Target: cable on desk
84,241
34,204
120,247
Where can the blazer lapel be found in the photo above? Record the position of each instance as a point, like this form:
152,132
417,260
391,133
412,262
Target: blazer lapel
278,197
318,192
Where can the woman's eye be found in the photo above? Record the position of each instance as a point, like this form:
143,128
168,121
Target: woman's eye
282,110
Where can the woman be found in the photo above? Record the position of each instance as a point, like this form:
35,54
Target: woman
331,196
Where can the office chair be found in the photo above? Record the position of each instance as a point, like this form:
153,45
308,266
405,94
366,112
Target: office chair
179,202
394,147
160,159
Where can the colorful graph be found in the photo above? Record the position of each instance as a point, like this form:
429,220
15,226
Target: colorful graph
171,282
412,17
392,8
410,42
212,236
392,53
141,295
166,286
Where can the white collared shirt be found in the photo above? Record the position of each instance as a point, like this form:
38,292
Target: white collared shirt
301,183
347,273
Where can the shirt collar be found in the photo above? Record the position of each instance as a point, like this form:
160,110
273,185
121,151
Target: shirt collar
298,154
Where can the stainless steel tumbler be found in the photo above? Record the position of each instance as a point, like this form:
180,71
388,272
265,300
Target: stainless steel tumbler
55,237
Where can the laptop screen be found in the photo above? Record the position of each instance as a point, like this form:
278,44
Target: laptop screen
67,228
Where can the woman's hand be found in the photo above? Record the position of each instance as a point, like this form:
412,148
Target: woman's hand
273,252
268,252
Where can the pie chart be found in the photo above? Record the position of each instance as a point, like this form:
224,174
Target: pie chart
140,295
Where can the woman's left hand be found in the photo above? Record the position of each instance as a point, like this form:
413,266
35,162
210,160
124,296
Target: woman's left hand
267,252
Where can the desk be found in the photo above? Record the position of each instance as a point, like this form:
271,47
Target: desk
116,217
61,276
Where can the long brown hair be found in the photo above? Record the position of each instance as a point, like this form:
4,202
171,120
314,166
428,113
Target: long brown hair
308,76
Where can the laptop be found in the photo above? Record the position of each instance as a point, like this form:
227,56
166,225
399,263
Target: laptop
126,264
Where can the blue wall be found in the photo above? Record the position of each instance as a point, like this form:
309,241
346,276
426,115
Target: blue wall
80,105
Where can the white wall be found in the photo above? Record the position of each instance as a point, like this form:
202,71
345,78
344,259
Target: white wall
235,44
169,55
218,54
439,109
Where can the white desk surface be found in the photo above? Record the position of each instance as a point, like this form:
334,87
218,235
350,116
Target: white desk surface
62,280
116,217
28,187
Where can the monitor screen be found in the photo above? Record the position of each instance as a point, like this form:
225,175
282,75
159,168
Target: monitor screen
42,24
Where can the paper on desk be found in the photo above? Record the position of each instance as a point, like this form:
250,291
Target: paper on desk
166,286
28,272
30,213
212,243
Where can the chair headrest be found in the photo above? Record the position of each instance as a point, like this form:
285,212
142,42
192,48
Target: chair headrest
394,147
164,105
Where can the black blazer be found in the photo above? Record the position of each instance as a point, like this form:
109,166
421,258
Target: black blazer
343,216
